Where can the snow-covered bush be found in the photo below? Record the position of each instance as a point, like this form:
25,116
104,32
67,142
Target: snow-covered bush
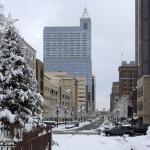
18,87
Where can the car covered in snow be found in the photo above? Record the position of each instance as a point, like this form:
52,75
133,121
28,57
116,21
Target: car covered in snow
51,123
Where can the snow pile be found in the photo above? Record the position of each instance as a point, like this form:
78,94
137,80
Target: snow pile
89,142
139,142
148,131
6,114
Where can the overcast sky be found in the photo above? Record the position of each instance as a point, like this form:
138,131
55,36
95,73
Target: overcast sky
112,32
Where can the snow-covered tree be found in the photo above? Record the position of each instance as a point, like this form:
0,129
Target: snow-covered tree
18,87
2,20
2,16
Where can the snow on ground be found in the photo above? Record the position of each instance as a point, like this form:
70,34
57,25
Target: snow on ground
89,142
95,142
98,142
139,142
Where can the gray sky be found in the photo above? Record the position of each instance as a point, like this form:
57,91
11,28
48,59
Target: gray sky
112,32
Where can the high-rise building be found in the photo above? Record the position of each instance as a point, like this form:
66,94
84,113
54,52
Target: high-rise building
142,36
68,49
143,99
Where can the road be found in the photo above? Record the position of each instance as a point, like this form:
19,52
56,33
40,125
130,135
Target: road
93,125
87,129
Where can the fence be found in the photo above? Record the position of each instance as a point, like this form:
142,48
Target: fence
37,139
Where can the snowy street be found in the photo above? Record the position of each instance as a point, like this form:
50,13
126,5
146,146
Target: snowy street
95,142
74,139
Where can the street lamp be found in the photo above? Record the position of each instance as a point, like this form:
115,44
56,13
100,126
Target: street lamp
75,116
57,112
117,119
71,116
65,115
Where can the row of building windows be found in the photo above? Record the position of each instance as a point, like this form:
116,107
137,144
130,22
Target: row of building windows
65,34
65,38
65,103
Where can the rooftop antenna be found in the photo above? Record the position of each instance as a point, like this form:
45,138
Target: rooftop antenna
122,56
85,5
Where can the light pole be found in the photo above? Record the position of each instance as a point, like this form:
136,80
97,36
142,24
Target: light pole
75,116
71,116
57,112
65,115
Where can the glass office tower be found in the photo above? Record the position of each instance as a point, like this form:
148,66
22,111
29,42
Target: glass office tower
68,49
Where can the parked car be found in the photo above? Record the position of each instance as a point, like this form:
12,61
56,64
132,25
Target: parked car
70,126
141,128
107,125
119,130
76,123
52,123
90,120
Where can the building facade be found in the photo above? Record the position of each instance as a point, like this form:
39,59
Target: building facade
82,99
68,49
55,98
128,74
40,76
142,36
66,83
30,55
114,95
93,93
127,78
143,99
51,97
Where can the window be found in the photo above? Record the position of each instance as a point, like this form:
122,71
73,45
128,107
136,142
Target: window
140,106
145,30
140,92
85,26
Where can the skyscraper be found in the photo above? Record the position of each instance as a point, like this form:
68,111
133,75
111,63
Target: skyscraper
68,49
142,36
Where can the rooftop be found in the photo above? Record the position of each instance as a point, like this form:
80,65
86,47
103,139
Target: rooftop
85,14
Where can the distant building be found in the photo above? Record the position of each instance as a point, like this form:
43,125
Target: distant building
68,83
82,94
143,99
142,36
127,78
51,97
128,75
68,49
114,95
55,97
40,75
93,93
